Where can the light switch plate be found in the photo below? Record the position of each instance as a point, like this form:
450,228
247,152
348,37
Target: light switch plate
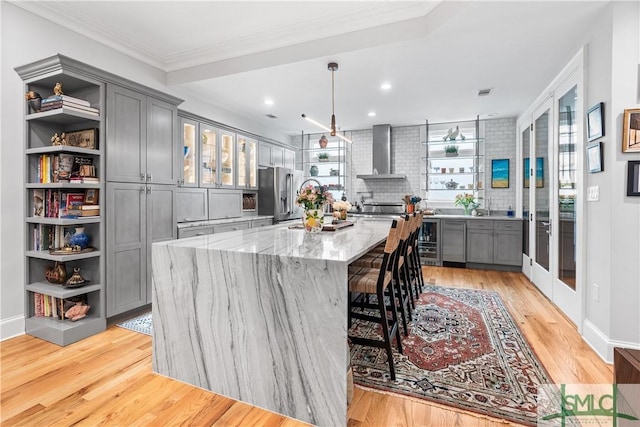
593,195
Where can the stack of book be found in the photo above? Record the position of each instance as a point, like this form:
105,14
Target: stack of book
68,102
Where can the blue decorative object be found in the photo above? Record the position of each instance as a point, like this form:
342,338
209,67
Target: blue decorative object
186,151
80,238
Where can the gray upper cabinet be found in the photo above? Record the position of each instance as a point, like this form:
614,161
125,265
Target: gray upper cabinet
141,138
126,135
162,153
190,153
453,240
289,159
271,155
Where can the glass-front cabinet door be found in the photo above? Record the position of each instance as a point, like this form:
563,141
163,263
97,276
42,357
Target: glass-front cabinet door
247,162
227,159
190,149
209,144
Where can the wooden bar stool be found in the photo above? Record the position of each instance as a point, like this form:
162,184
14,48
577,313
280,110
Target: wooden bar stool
373,260
413,255
416,252
367,281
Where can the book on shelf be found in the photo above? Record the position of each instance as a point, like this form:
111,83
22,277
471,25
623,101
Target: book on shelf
84,180
64,104
39,204
89,210
50,306
83,167
67,98
65,166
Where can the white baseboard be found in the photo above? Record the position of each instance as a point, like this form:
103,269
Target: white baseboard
601,343
11,327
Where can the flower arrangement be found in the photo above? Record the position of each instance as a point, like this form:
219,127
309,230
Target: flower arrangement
340,209
465,200
310,197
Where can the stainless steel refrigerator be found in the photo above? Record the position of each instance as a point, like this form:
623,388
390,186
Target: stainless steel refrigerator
277,189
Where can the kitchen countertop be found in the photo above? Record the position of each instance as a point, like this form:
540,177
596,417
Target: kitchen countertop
439,216
223,221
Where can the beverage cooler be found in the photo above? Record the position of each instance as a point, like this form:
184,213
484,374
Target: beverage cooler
429,242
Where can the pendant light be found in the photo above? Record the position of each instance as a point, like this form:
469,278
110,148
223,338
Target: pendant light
333,66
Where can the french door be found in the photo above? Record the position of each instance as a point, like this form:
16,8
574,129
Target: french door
550,144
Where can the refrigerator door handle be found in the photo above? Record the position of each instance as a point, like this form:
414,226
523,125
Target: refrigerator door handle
290,193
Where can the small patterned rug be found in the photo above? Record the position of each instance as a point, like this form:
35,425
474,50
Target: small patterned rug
142,324
464,350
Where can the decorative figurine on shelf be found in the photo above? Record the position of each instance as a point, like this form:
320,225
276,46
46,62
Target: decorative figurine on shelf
35,101
454,134
77,312
56,274
59,140
79,238
448,135
57,89
76,280
323,141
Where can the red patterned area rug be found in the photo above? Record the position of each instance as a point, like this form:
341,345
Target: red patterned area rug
464,350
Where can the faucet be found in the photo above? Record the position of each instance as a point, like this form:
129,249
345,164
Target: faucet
310,180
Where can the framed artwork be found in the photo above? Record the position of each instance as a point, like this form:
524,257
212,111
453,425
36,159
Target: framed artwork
539,172
87,138
91,196
500,173
594,158
595,122
633,178
631,131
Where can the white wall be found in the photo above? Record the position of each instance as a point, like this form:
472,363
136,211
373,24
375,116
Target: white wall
27,38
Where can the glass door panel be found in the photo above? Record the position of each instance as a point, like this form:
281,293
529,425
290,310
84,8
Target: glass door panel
209,139
242,161
542,195
526,140
227,154
252,159
567,183
189,153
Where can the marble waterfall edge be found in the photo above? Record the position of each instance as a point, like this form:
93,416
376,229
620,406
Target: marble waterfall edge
253,327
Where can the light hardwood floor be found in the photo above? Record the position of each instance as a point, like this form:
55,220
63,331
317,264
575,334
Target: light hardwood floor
107,379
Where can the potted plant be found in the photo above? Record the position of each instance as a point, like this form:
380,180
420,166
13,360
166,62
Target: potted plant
323,157
451,150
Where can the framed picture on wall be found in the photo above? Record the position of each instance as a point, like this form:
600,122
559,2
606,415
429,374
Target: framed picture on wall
633,178
594,158
500,173
595,122
631,131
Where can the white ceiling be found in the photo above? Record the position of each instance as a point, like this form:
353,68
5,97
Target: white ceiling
436,55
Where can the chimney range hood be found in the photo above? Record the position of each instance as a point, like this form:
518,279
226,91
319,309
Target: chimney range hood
381,168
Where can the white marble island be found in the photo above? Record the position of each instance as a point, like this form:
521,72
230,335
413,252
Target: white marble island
260,315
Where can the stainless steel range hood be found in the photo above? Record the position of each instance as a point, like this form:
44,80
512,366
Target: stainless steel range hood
381,155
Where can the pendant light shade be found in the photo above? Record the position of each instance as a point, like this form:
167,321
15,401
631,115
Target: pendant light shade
333,66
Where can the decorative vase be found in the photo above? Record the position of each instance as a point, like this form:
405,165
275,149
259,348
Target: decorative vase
313,170
79,238
56,274
466,210
35,104
76,280
411,208
313,219
343,214
323,141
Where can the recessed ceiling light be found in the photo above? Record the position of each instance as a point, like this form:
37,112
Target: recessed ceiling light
385,86
372,114
268,101
492,114
484,92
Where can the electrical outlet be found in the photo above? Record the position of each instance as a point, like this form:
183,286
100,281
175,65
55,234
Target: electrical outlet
596,292
593,195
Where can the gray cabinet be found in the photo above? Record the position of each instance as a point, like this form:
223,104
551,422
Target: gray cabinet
225,204
137,216
190,153
480,241
232,226
141,138
192,204
453,240
289,159
271,155
203,230
507,245
261,222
